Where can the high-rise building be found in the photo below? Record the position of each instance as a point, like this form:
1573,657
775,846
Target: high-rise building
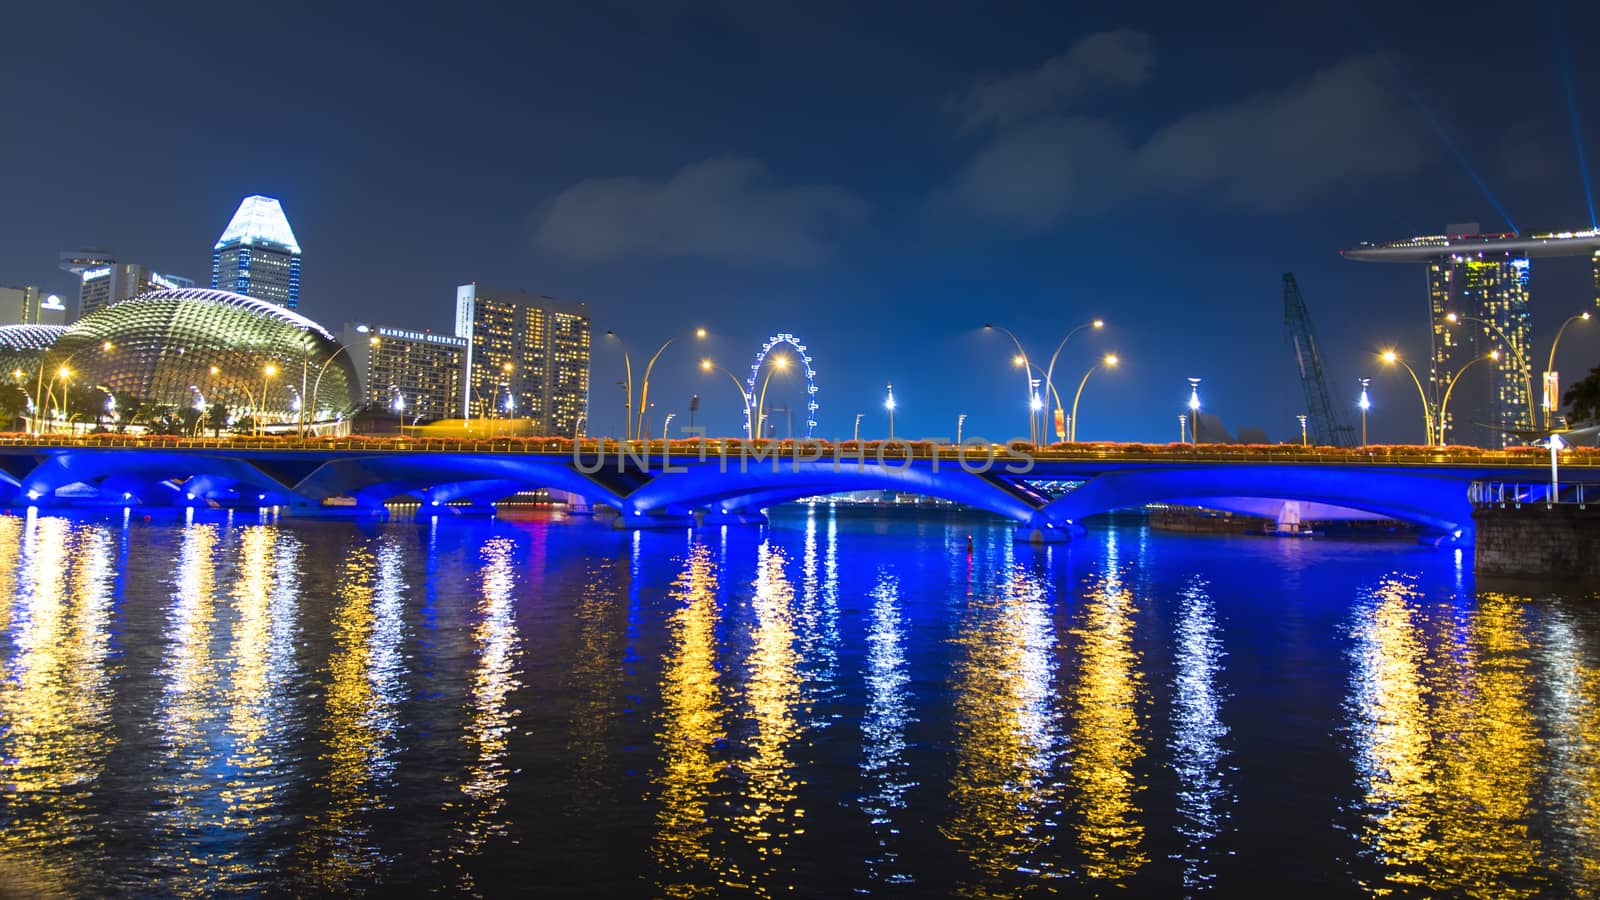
104,281
257,254
31,305
527,358
414,373
1478,303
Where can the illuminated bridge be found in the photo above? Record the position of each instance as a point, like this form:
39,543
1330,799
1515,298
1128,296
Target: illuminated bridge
655,484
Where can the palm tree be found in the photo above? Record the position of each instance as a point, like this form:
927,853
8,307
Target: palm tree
1583,398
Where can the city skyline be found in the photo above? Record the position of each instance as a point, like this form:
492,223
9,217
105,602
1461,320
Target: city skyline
983,174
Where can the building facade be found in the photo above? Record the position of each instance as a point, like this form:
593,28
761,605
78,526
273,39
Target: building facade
257,255
527,357
31,305
1478,304
417,374
105,281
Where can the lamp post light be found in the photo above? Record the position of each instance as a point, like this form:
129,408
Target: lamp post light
1520,357
889,405
666,426
1303,441
39,389
1444,405
960,421
627,397
1552,378
644,388
316,386
1390,358
1365,403
1021,362
857,435
267,372
779,364
1183,428
1109,361
1050,370
707,365
399,407
1194,411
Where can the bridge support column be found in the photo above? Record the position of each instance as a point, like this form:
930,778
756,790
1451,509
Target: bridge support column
1042,531
633,520
733,517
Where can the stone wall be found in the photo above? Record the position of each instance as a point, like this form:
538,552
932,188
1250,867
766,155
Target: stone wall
1535,541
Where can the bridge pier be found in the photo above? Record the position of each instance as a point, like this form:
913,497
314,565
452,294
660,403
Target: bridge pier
1046,532
732,517
634,520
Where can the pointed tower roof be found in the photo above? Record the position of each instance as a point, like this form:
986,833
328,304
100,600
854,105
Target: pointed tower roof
260,220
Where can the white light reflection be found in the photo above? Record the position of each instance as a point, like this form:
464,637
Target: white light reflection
1198,732
883,728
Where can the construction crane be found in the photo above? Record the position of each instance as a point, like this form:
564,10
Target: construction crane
1324,423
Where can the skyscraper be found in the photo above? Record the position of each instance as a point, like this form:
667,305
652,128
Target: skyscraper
414,373
30,305
105,281
1477,304
257,254
526,357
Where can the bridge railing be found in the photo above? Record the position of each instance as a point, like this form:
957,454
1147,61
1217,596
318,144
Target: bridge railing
713,448
1514,495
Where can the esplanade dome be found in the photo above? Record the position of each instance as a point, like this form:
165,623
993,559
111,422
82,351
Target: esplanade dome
189,346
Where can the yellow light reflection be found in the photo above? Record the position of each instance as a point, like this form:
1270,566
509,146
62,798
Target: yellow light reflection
688,862
490,717
1448,749
1107,735
55,697
1004,790
769,817
364,687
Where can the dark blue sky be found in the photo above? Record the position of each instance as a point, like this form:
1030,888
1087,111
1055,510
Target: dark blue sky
879,179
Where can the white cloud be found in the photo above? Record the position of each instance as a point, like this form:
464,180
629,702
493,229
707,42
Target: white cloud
1109,59
727,208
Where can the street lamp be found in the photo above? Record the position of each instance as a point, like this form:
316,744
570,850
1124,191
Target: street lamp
1183,428
1021,362
889,405
1109,361
857,436
1365,403
1520,358
627,398
1552,378
644,389
1444,405
1390,358
1049,372
39,389
666,426
960,420
1194,411
707,365
1302,418
267,372
779,363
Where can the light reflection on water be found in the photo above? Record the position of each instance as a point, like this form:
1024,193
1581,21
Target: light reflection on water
843,702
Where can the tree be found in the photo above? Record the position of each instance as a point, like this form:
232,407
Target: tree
217,418
1583,398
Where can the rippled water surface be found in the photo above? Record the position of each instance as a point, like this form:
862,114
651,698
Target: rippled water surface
846,701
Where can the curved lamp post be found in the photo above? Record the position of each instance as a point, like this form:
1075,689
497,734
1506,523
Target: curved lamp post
627,400
39,389
889,405
644,388
1390,358
707,365
779,364
1021,361
1521,360
373,341
1050,370
1110,361
1444,405
1552,384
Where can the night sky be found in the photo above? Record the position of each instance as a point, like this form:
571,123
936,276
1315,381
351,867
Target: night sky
879,179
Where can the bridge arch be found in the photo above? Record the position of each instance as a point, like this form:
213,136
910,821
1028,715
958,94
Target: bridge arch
1434,501
372,479
811,382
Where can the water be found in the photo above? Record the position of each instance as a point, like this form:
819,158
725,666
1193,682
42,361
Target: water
845,702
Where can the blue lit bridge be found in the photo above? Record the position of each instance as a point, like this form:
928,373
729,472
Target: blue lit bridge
655,484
